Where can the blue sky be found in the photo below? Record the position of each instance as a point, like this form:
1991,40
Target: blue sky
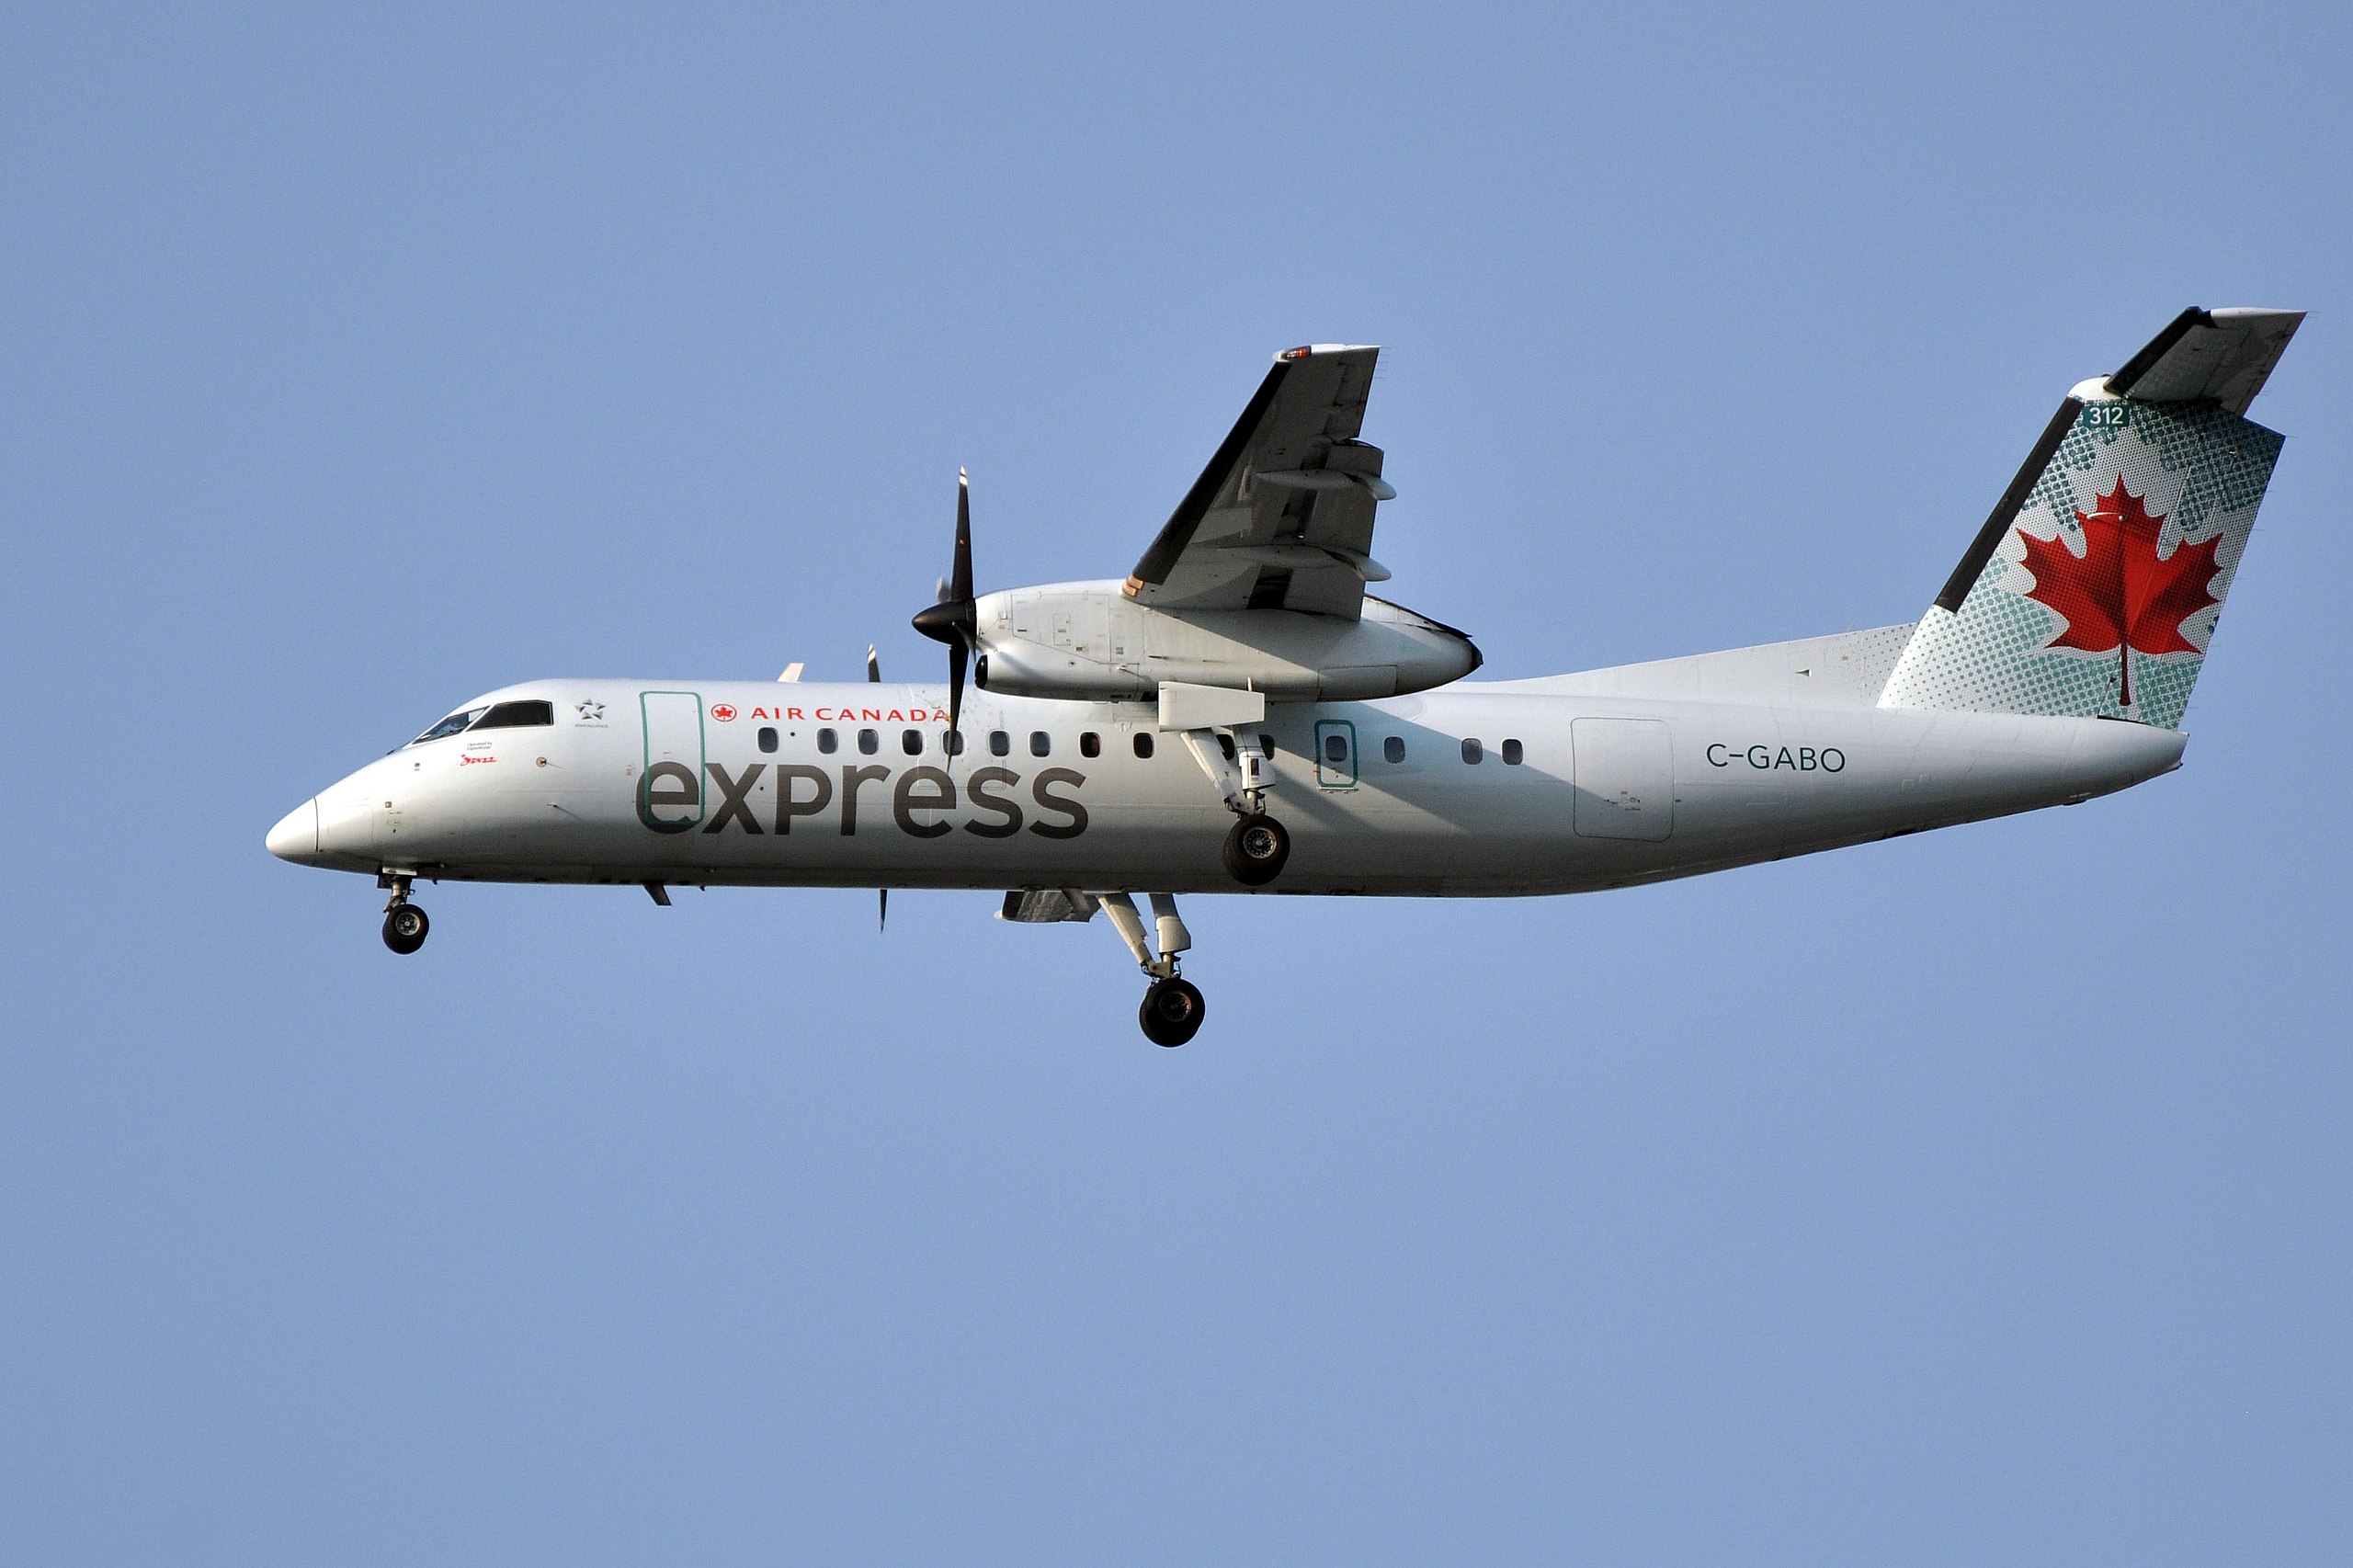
1978,1197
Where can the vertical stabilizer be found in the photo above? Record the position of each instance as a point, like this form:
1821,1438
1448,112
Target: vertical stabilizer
2093,587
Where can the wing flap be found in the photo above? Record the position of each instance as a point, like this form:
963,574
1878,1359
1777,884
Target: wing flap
1047,906
1292,477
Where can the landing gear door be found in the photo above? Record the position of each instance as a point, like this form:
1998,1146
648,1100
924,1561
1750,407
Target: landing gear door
1336,753
669,790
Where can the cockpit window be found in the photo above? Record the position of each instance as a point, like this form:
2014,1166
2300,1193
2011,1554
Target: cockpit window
516,716
449,726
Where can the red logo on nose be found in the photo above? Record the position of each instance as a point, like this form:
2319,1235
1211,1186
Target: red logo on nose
722,712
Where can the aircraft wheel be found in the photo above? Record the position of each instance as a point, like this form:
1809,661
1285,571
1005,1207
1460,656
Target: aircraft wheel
1171,1013
404,927
1255,850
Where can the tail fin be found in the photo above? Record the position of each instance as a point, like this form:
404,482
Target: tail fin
2093,587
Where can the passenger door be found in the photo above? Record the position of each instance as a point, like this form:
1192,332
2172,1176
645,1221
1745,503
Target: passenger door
1625,779
670,797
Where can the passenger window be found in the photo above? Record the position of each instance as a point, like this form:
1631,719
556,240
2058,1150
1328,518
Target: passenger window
1335,748
954,742
1472,751
1144,743
911,742
868,742
828,741
1394,748
768,738
1090,743
518,716
1511,754
1000,744
1040,744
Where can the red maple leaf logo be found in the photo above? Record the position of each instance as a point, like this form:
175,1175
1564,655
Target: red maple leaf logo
2121,594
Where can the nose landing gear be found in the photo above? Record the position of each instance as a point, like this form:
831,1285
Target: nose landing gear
404,923
1173,1007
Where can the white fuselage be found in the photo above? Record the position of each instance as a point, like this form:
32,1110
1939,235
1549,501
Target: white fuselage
1378,796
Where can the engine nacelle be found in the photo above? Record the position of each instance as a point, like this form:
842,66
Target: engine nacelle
1089,640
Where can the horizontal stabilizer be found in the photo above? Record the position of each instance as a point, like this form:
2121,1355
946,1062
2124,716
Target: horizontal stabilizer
2223,357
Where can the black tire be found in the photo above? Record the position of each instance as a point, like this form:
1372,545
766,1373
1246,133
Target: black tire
1255,850
1171,1013
405,928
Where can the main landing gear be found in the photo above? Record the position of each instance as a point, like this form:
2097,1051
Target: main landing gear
1171,1013
1255,849
1172,1008
404,923
1256,845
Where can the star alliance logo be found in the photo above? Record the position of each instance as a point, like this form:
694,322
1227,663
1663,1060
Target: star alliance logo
590,713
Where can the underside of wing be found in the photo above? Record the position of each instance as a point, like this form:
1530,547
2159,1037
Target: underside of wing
1281,519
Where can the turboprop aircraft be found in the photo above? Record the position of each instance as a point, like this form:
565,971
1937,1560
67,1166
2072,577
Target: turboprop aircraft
1240,714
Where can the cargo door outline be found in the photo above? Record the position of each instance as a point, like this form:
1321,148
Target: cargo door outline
673,746
1625,779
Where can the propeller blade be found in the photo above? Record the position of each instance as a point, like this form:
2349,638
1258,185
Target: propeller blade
873,664
959,577
954,620
882,909
957,653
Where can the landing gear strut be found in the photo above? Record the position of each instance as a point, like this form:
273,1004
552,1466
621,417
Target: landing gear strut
1257,844
1173,1007
404,923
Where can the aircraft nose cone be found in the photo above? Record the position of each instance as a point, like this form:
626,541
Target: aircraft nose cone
296,837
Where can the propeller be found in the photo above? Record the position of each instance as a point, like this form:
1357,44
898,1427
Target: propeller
952,620
883,900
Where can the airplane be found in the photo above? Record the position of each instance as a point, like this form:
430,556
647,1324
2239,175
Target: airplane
1240,714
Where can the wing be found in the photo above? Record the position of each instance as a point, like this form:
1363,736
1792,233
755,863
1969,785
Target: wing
1282,517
